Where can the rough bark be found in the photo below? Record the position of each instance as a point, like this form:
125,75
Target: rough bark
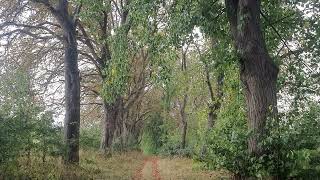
112,111
67,22
72,79
258,72
72,94
111,114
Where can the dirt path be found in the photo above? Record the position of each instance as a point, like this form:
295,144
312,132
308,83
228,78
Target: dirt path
148,170
162,168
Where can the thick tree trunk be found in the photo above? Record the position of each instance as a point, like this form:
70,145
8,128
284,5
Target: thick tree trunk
72,80
67,22
111,113
72,94
258,72
109,124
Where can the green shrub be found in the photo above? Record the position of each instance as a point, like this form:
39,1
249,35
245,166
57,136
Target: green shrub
10,140
294,144
151,140
291,147
90,137
26,127
226,145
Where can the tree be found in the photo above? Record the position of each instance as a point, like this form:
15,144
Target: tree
183,103
217,95
258,72
108,53
68,23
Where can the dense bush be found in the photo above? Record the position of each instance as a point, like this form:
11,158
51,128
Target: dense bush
226,144
291,144
295,143
10,140
171,145
26,127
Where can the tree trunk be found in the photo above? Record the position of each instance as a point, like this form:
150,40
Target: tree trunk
211,117
258,72
111,112
72,95
72,82
184,123
215,98
184,134
183,114
67,21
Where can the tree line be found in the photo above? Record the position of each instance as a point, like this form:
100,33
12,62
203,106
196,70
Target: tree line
234,84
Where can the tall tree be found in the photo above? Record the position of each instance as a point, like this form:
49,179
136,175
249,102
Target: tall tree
104,43
258,72
68,21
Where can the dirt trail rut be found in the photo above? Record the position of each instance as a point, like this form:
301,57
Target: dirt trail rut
149,170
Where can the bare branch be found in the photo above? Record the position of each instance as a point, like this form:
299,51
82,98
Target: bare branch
28,27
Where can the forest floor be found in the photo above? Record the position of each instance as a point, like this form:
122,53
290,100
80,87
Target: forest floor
125,166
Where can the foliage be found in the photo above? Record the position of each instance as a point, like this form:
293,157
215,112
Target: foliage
225,145
117,70
151,140
155,32
90,137
11,142
294,139
291,144
292,148
25,126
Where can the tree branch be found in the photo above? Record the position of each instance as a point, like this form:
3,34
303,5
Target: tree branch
282,40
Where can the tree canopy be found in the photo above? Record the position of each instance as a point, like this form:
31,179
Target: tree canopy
233,85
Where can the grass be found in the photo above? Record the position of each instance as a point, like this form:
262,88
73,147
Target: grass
182,168
93,165
119,166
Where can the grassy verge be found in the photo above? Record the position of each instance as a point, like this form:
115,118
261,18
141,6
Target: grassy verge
126,166
183,168
93,165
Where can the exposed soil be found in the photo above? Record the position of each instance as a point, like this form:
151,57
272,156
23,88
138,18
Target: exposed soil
148,170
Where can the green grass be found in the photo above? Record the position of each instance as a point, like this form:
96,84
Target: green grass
183,168
93,165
